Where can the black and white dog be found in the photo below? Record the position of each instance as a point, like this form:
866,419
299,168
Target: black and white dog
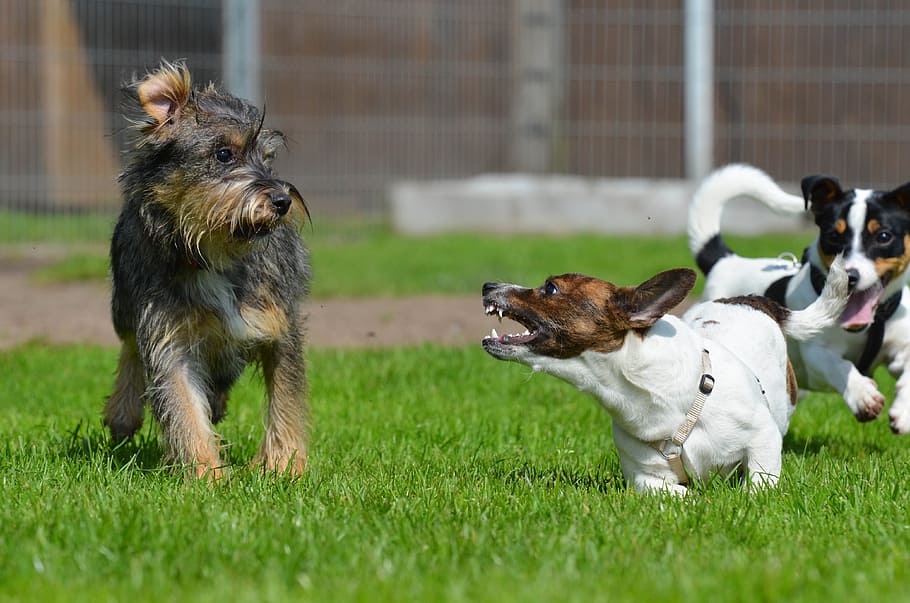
871,228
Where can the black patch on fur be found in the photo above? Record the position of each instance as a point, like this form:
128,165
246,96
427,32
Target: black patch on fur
778,290
713,251
761,303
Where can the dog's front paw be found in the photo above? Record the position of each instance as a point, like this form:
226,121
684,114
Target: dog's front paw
900,422
900,415
863,398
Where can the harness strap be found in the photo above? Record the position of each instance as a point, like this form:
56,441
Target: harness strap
876,334
671,448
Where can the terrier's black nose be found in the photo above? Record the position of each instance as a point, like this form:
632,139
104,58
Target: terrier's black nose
852,278
281,201
487,287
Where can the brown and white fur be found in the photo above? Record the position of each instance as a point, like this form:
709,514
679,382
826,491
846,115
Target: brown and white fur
620,345
871,229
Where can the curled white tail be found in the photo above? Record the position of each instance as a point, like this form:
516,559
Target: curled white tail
824,311
726,184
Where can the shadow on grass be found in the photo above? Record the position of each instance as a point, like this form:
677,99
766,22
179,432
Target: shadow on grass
142,451
840,446
603,478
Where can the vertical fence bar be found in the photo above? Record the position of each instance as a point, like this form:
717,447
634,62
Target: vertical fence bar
538,57
699,88
240,49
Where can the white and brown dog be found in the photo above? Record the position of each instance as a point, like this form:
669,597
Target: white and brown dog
704,394
871,229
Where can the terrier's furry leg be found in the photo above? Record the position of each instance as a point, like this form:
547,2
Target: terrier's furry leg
180,403
123,413
284,447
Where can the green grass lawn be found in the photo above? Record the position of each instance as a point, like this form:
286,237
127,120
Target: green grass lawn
365,259
436,475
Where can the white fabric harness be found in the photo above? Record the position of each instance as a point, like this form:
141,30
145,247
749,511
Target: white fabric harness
671,448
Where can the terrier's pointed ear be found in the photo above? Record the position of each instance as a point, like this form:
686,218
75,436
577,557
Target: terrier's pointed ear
901,196
164,93
819,190
658,295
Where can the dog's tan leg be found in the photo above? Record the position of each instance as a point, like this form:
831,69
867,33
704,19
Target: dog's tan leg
123,413
284,447
181,405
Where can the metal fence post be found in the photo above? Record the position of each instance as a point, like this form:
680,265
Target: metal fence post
538,58
699,88
240,49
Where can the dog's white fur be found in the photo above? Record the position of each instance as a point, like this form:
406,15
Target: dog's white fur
821,363
650,382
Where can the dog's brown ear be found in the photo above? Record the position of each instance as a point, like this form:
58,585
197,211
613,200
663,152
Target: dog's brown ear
164,93
820,189
658,295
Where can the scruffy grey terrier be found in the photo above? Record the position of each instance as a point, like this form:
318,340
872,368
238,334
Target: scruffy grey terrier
209,272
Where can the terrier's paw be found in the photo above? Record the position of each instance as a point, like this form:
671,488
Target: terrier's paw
900,416
291,462
123,420
864,399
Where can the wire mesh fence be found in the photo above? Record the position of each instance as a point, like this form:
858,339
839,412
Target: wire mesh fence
370,92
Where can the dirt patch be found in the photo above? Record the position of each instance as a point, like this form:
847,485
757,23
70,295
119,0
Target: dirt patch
80,313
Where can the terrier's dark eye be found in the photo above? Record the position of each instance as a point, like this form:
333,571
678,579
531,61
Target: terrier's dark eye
224,155
550,288
883,237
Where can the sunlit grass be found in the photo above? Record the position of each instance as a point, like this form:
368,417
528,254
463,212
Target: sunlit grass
435,475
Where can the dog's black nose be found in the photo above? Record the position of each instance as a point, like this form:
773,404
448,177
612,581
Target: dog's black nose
852,278
487,287
281,201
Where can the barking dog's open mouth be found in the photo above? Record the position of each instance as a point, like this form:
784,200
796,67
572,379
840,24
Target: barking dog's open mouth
861,305
516,339
504,345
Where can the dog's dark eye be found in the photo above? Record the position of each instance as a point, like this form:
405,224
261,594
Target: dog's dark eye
883,237
224,155
550,288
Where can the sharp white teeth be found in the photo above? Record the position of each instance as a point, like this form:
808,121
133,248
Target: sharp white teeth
494,333
527,332
500,313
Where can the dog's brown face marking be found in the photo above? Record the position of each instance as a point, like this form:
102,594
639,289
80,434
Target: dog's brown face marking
573,313
826,258
893,267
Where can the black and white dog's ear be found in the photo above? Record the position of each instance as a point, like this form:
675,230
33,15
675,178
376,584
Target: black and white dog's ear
901,196
820,189
658,295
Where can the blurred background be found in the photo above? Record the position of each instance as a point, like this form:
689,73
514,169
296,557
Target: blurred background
376,93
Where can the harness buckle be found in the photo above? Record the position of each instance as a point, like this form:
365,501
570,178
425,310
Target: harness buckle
672,453
706,385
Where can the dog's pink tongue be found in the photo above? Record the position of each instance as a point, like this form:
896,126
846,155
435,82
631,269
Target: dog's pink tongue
860,310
